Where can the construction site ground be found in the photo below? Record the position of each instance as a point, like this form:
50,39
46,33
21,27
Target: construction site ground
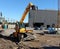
46,41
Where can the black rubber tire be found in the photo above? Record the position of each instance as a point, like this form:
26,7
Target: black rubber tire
19,37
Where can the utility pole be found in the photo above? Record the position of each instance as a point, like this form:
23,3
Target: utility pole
58,17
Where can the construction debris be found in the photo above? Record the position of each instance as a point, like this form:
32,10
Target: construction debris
42,42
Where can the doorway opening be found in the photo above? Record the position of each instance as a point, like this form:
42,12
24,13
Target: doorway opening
37,24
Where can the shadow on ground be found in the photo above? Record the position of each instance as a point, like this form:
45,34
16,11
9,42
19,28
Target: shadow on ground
9,38
51,47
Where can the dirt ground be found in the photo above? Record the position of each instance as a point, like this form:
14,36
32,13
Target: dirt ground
46,41
41,42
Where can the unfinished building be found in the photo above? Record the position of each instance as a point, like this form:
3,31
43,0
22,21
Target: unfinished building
42,17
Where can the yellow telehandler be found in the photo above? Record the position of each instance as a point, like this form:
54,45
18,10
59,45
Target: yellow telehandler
20,28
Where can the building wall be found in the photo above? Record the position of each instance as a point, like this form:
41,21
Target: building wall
2,19
11,26
48,17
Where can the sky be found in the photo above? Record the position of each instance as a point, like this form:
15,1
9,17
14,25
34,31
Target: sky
14,9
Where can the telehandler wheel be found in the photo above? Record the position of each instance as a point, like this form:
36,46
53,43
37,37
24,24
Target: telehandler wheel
19,37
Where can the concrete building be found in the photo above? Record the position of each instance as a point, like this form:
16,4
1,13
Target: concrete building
40,17
1,17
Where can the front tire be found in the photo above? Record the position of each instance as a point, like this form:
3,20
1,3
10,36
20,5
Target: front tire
19,37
